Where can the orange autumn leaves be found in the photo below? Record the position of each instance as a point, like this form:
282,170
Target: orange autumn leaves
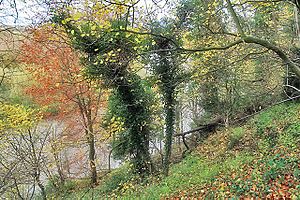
56,78
50,65
55,71
273,176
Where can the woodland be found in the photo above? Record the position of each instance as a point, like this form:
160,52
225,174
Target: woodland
149,99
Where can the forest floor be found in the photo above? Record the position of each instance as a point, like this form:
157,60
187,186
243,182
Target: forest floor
257,160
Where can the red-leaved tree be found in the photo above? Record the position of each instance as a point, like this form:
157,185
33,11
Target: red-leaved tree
59,84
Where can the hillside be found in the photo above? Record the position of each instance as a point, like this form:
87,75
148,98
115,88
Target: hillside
188,99
259,159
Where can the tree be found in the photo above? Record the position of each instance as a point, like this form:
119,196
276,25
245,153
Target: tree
23,159
251,39
234,79
10,39
166,67
60,85
241,35
109,50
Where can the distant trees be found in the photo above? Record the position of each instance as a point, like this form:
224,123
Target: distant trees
239,26
263,42
10,38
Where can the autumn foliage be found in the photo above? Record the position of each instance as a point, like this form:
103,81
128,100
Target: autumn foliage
58,84
57,79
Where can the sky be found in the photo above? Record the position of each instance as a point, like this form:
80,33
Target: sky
30,12
20,12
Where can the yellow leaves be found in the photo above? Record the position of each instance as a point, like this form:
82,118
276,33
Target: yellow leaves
112,119
137,40
93,28
64,22
201,71
77,16
114,126
207,55
215,3
188,43
17,117
127,186
127,35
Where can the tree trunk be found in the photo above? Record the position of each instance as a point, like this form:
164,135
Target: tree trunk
170,122
92,157
277,50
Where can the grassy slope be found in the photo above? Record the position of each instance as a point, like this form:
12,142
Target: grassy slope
258,159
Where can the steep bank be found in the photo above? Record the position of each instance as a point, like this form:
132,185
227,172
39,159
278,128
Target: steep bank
259,159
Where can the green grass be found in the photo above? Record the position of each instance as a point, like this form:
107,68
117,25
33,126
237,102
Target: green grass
191,172
269,142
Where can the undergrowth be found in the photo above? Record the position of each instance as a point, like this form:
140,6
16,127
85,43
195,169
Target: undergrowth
260,159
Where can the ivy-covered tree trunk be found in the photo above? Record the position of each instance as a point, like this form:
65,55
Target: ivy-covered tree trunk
170,122
136,117
165,68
